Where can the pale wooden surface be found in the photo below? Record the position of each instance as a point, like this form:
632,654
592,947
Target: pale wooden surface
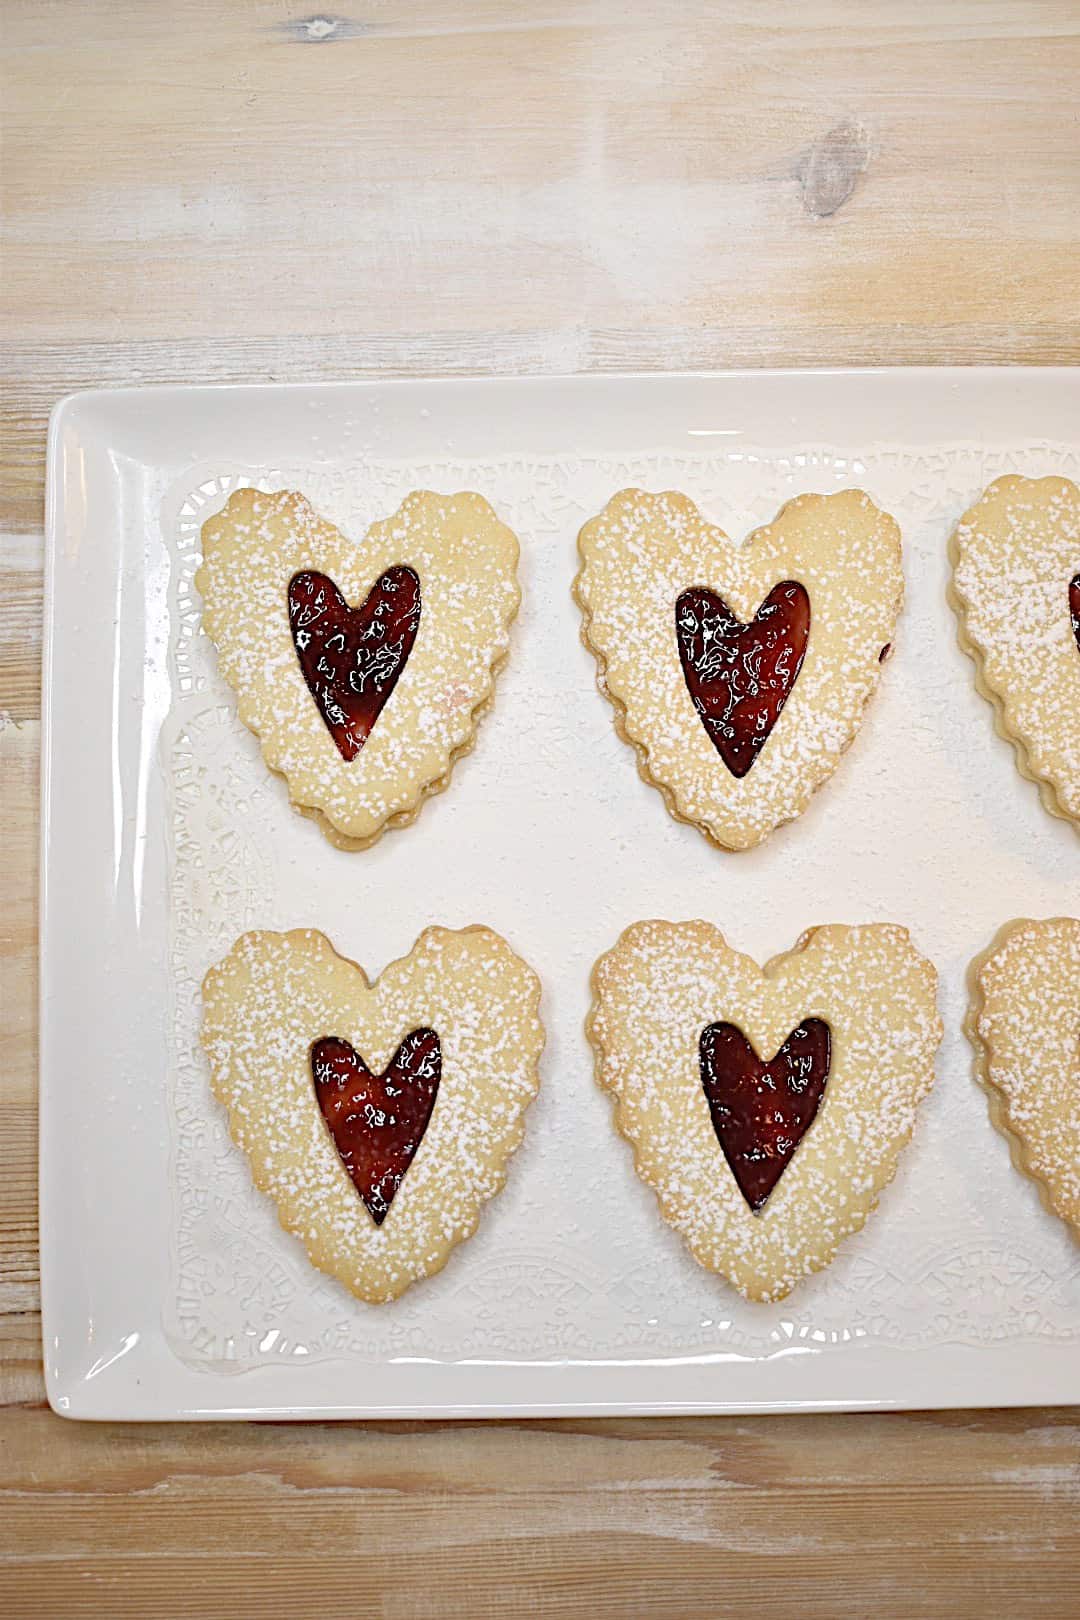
203,191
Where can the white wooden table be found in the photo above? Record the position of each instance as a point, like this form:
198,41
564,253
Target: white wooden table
197,191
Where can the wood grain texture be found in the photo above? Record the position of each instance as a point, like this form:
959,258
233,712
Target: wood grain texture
833,1515
197,192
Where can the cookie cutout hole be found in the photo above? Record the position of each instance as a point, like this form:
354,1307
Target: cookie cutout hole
1074,607
377,1121
761,1111
352,657
739,676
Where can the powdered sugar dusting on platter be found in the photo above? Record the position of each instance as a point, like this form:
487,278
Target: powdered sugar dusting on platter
549,837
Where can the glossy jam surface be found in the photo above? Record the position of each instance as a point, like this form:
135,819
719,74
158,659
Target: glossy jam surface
352,656
1074,607
761,1111
377,1121
740,675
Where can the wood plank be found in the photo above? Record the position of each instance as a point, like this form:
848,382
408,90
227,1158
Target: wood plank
574,1578
21,592
626,165
642,167
20,746
939,1451
660,1518
20,1324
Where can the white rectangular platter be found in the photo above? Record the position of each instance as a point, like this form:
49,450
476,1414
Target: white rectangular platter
169,1290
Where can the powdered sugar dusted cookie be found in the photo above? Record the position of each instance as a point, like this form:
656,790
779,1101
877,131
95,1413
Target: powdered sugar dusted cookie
739,672
1016,589
362,666
1024,1025
766,1107
378,1117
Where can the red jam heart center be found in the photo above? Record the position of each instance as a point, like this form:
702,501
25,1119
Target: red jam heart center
761,1111
1074,607
351,657
377,1121
740,675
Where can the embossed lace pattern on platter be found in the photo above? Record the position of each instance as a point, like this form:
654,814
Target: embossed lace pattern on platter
572,1259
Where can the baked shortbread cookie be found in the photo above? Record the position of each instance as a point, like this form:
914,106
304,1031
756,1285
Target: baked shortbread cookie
739,672
1016,591
766,1107
378,1117
362,666
1024,1025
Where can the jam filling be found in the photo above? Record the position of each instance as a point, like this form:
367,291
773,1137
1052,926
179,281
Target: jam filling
351,657
740,675
761,1111
377,1121
1074,607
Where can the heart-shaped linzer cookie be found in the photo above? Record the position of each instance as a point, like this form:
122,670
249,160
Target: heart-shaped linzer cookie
1016,591
363,666
1024,1025
352,656
380,1117
739,675
763,1164
739,672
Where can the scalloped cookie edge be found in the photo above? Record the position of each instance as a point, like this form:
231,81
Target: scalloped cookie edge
1046,789
319,1257
862,1210
407,812
669,794
997,1102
